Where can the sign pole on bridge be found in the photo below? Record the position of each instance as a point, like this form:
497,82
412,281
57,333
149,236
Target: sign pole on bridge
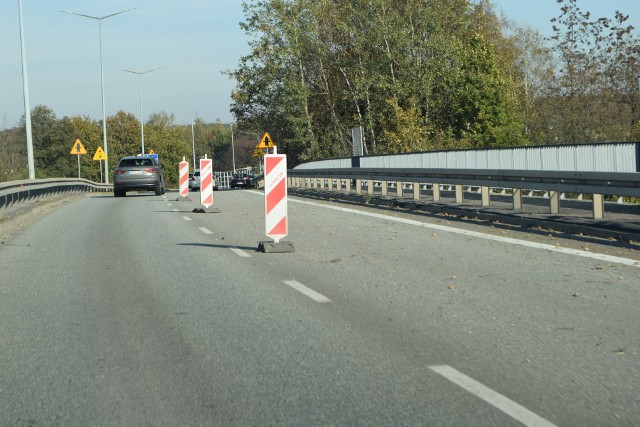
275,203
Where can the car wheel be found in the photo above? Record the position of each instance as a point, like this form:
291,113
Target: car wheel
158,191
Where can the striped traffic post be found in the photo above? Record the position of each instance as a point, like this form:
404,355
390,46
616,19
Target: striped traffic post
206,182
275,203
184,178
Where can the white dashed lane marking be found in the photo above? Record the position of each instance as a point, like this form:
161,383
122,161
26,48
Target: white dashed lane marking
307,291
205,230
240,253
495,399
186,218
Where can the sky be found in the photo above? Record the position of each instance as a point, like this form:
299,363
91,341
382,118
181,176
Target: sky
194,40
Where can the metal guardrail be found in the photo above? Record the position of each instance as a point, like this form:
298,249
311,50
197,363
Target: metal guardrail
13,192
597,184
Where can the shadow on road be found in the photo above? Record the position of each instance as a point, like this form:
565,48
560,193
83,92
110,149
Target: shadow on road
211,245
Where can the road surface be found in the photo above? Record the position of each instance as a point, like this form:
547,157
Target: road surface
138,311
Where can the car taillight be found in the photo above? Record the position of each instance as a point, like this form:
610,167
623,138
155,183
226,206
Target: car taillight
120,172
151,170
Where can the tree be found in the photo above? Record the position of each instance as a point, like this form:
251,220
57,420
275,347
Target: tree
317,69
596,87
13,155
123,135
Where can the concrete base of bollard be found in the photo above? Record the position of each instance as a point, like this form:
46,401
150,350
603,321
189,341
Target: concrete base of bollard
270,247
211,210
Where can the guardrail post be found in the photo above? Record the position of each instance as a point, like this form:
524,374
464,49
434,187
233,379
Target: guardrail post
347,183
358,186
384,187
598,206
554,202
416,191
435,187
486,198
459,194
322,184
330,183
399,189
517,199
370,188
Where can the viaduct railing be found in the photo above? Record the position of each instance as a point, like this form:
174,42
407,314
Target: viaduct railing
554,183
603,169
13,192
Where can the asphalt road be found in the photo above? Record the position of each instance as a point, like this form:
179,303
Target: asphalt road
137,311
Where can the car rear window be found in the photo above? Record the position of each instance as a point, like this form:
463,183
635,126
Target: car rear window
129,163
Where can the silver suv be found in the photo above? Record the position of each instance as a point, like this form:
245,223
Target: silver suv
194,182
138,173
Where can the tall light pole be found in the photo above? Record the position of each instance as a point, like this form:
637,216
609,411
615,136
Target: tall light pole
233,150
27,107
193,135
140,73
104,114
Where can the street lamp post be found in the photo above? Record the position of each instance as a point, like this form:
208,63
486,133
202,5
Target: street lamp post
193,135
233,150
104,114
140,73
27,107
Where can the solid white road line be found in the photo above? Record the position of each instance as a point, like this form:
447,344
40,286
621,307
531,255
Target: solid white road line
186,218
205,230
446,229
501,402
175,210
306,291
240,253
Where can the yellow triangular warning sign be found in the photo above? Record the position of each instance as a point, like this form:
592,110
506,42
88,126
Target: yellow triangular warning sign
78,148
100,154
151,151
266,142
258,152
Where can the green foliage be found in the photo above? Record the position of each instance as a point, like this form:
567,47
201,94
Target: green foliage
13,156
123,136
400,69
54,138
169,142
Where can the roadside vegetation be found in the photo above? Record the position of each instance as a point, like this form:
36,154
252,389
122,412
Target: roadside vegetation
416,75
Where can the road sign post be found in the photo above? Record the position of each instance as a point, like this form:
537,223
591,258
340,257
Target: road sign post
99,156
275,203
78,149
